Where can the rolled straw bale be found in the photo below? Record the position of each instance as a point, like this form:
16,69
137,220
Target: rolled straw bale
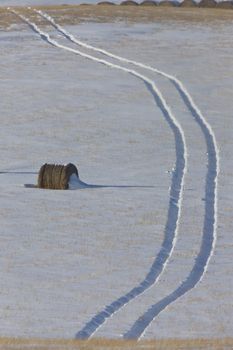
188,3
68,170
207,3
40,180
225,5
55,176
106,3
167,3
129,3
148,3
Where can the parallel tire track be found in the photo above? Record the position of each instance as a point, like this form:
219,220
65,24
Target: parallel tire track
207,245
176,191
210,220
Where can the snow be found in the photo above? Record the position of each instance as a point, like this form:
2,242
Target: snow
68,254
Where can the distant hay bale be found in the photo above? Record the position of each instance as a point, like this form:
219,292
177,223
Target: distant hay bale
129,3
56,177
225,5
105,3
167,3
188,3
148,3
207,3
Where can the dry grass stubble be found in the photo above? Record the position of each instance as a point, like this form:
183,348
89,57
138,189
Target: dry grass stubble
132,14
105,344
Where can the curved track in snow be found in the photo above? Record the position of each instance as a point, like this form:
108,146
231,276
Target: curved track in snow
210,218
207,244
186,97
176,191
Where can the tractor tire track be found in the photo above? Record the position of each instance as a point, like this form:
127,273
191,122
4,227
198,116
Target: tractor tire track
207,245
209,234
176,190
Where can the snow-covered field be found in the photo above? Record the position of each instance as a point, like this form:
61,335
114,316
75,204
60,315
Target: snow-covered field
151,217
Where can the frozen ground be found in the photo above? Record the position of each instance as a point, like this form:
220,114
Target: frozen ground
66,255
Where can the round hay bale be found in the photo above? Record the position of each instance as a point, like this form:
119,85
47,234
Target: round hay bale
167,3
129,3
224,5
188,3
106,3
55,176
207,4
148,3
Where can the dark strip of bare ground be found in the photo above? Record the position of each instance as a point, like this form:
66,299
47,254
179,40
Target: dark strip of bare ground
132,14
109,344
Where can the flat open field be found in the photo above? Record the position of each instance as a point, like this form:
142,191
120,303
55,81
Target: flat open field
141,101
72,14
99,344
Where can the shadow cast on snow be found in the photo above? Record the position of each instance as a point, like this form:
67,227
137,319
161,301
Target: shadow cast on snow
18,172
83,185
80,184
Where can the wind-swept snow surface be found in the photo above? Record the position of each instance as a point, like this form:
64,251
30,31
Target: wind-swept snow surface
176,191
86,248
210,220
